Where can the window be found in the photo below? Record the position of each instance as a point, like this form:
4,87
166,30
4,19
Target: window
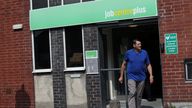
36,4
188,69
55,3
41,50
71,1
73,44
87,0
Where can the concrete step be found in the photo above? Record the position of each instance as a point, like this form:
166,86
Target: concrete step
145,104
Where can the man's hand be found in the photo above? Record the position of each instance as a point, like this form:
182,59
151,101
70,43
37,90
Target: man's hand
121,80
149,68
122,71
151,79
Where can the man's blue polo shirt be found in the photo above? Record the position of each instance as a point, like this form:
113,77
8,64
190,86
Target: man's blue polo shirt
136,64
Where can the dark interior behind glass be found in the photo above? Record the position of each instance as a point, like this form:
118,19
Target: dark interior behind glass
71,1
74,49
42,49
36,4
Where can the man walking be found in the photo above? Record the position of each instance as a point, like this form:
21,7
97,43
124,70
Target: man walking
136,62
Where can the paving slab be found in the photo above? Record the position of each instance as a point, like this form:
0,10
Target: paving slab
146,104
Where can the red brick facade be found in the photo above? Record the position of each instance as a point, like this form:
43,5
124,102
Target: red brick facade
175,17
16,79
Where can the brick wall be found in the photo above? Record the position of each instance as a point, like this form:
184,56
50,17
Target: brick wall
175,17
59,89
93,82
16,79
59,86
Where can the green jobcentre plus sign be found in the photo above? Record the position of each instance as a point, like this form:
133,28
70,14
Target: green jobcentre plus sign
91,54
171,43
96,11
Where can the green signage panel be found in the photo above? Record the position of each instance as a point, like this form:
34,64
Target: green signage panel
171,43
91,54
91,12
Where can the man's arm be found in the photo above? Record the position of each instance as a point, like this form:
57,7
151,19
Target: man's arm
123,66
149,68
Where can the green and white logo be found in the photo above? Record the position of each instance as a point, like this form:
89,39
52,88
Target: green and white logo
171,43
124,12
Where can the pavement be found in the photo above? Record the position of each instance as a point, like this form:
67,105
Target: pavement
146,104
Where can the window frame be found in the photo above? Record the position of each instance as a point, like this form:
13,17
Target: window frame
65,55
186,62
31,5
62,3
33,56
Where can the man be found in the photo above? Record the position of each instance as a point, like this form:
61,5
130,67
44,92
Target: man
137,61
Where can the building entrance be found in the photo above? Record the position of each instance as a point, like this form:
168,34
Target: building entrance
114,41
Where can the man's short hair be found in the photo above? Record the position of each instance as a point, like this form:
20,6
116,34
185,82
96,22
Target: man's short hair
135,40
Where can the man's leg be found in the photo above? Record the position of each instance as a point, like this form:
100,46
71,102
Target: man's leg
140,87
132,93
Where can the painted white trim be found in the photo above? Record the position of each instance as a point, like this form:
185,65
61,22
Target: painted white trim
30,4
50,49
33,51
62,2
83,45
188,81
74,69
42,71
48,3
186,76
65,60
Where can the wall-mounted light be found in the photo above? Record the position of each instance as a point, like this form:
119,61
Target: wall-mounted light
17,26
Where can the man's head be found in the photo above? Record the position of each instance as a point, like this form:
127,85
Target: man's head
137,44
